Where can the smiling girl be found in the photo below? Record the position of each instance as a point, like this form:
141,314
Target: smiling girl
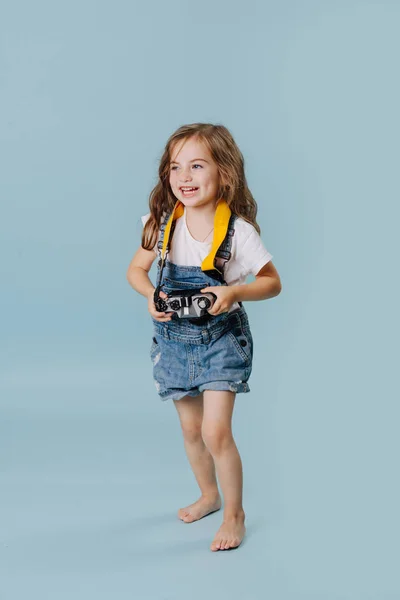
203,203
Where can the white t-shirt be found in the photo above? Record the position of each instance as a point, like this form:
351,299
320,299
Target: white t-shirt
248,253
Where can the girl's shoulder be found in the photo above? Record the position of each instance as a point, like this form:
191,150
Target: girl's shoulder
248,248
146,217
244,230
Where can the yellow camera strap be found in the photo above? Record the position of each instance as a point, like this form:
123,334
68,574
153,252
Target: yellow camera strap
221,223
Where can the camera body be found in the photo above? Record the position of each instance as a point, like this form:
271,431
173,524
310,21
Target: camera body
186,304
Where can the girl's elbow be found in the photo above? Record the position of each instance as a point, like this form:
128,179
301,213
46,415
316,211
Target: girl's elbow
278,287
130,276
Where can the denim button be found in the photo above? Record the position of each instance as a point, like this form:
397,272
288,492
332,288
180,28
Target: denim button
243,343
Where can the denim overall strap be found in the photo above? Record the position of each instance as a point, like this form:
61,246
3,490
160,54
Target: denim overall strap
162,231
161,242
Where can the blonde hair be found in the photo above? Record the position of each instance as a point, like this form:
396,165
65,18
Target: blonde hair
233,185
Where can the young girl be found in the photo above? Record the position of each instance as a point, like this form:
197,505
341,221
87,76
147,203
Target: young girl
203,217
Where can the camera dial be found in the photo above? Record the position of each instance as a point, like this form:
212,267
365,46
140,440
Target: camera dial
175,304
161,305
203,303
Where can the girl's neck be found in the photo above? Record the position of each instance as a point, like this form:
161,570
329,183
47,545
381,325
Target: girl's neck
201,214
200,220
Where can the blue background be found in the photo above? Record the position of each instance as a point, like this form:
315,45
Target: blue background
93,465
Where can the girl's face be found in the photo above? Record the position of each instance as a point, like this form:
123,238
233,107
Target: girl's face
191,167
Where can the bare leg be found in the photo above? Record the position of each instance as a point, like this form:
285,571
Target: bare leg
190,411
217,435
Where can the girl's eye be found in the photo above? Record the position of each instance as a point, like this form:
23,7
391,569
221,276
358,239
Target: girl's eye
195,165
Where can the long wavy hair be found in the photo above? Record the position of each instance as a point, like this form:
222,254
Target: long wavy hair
232,180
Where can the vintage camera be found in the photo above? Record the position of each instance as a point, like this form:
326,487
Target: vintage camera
186,304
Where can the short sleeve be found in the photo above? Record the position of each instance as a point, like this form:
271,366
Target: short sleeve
144,219
253,255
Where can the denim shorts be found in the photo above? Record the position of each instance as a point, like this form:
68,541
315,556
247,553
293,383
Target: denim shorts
188,359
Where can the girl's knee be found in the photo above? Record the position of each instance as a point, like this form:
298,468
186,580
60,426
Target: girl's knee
190,411
216,437
191,432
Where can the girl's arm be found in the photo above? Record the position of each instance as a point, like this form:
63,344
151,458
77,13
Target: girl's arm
138,278
267,285
138,270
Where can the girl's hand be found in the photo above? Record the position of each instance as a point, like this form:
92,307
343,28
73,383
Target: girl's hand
226,296
162,317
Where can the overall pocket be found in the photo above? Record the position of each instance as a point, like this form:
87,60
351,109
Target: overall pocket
158,369
154,350
242,342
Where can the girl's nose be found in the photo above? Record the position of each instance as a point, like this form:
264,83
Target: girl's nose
186,175
186,178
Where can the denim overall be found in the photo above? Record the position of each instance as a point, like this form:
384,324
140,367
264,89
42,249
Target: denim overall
189,357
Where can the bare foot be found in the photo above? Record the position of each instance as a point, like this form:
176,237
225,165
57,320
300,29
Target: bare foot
230,534
199,509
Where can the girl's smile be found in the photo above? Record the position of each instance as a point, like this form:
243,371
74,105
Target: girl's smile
188,192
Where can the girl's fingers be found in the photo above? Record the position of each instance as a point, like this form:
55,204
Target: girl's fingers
161,316
215,310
